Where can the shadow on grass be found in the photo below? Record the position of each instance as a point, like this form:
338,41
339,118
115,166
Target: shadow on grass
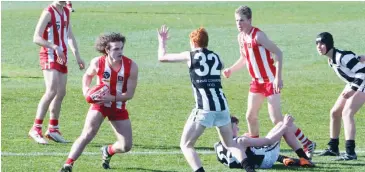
27,77
145,169
157,147
136,12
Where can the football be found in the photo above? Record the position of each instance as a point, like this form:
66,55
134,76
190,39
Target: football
96,92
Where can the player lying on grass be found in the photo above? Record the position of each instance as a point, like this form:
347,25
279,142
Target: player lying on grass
263,152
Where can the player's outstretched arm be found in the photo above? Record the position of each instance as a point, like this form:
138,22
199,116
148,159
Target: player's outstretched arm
131,85
163,56
74,48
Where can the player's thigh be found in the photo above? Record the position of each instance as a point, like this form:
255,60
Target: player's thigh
273,130
354,103
62,81
225,135
339,104
51,79
192,131
274,108
254,102
123,130
93,121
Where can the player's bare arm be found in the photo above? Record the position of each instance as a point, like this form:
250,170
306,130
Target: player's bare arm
74,48
271,139
262,39
91,71
43,21
238,64
163,56
131,85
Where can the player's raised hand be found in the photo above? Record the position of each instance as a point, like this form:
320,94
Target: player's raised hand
163,33
227,72
288,120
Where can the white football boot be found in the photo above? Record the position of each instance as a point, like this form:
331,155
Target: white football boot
55,135
37,136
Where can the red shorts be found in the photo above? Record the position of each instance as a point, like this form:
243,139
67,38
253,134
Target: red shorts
53,65
266,88
112,114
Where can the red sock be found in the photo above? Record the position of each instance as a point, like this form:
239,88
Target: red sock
70,161
302,138
38,123
110,150
53,123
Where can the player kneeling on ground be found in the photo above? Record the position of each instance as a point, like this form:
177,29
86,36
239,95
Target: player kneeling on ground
263,152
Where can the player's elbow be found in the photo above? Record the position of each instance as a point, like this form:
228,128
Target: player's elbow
162,60
36,39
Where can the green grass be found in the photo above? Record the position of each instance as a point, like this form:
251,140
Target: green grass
163,98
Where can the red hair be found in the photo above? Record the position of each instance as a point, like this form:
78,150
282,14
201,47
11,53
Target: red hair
199,37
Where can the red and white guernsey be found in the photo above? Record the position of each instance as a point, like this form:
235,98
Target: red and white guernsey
260,63
56,32
116,80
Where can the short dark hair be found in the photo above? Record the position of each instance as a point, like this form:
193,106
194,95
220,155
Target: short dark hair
102,42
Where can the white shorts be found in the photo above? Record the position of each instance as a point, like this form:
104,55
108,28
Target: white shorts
361,89
270,152
210,118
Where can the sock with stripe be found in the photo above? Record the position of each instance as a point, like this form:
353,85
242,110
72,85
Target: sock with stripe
38,123
302,138
53,123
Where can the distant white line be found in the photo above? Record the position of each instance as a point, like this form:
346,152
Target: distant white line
130,153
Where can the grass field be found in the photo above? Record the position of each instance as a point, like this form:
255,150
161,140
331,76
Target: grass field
163,98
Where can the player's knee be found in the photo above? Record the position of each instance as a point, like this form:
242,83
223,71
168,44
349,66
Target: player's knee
61,94
336,113
277,121
251,118
186,145
50,93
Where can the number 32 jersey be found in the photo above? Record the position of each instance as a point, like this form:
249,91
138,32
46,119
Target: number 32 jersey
205,74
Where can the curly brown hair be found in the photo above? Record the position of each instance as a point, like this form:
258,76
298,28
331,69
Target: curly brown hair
199,37
102,42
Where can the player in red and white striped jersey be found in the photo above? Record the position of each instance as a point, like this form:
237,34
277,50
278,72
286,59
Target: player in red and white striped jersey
52,32
120,74
264,63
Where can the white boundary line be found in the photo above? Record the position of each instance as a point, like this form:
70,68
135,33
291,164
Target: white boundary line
130,153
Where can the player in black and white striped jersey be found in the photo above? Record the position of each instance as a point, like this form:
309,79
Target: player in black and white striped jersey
211,105
264,152
350,68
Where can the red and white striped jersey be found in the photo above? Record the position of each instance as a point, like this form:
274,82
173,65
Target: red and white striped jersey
116,80
260,63
56,32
